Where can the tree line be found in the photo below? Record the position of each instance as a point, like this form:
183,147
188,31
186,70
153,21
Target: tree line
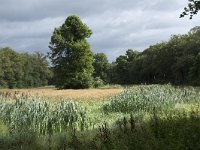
176,61
74,65
23,70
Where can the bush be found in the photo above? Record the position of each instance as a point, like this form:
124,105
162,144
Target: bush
98,82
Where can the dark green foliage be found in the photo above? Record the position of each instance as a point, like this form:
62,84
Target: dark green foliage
175,61
192,8
121,67
172,131
71,55
101,66
18,70
194,74
11,68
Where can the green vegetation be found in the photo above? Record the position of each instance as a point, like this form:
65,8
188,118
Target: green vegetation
147,98
101,67
71,55
22,70
74,66
192,8
175,62
41,117
141,117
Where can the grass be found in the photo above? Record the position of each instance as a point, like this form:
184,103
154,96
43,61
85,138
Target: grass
51,93
140,117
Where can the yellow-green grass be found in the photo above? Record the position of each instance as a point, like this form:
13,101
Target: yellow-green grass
111,105
54,94
157,110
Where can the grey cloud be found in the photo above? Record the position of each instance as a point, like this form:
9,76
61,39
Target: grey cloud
161,5
27,25
38,9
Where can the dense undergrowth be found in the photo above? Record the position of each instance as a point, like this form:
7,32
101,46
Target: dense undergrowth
177,131
141,117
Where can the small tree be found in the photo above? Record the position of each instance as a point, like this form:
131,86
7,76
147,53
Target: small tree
71,56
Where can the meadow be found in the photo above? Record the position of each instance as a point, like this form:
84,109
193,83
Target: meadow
136,117
51,93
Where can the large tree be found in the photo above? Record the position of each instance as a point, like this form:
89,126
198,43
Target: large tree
71,56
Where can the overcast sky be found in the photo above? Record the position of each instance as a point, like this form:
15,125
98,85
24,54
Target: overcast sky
117,25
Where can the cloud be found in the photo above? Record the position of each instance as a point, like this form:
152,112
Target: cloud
117,25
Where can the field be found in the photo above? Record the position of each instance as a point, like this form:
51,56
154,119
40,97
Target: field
137,117
51,93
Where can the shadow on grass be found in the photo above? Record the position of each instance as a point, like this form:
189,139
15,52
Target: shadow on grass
177,131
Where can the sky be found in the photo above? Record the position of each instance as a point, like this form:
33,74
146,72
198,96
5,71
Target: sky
117,25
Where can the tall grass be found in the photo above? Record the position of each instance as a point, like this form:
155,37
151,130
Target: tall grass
85,125
42,117
147,98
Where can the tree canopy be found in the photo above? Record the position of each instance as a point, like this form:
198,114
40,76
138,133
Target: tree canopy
71,56
175,61
101,66
22,70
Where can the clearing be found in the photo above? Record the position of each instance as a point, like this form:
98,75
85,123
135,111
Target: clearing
54,94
